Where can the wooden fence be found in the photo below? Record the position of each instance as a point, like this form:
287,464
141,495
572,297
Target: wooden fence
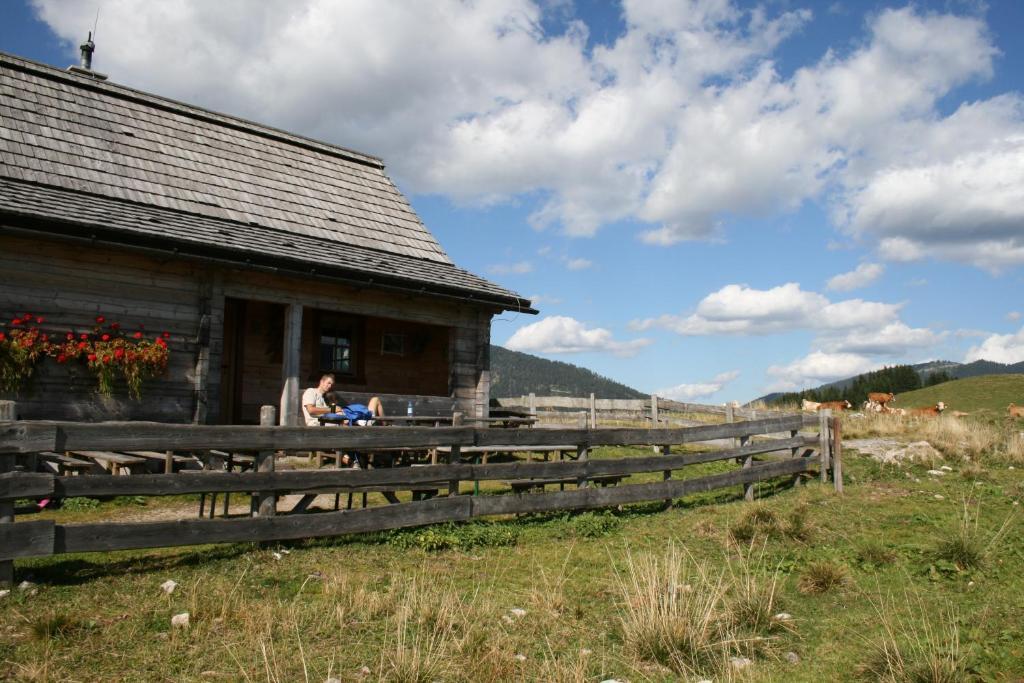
656,409
33,538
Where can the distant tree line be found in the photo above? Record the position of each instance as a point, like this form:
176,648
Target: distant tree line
517,374
896,379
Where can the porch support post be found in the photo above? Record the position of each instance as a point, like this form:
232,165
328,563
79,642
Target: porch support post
290,365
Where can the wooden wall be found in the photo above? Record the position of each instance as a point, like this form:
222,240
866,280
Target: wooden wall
69,284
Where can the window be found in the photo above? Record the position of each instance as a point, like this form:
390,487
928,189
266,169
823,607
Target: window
339,345
391,343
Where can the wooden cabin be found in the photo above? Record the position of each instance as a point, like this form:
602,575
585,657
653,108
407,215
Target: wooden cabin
269,258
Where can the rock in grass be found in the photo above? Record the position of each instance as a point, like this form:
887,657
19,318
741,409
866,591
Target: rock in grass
332,679
782,616
25,585
939,496
168,586
180,620
520,657
792,658
4,593
740,663
517,612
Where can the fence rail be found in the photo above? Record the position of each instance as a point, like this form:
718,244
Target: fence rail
35,538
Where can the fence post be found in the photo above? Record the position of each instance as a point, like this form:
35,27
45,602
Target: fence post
824,442
654,417
533,404
8,412
793,452
593,411
454,454
265,463
667,474
748,462
837,453
730,416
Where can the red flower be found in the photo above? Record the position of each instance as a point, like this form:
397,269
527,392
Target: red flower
83,336
61,358
161,342
16,322
105,337
27,317
137,335
166,335
71,335
46,337
106,359
100,319
82,345
115,326
2,336
119,353
91,357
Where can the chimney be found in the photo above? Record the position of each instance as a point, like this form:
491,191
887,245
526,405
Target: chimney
87,48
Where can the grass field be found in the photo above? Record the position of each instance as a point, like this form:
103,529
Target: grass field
989,393
906,577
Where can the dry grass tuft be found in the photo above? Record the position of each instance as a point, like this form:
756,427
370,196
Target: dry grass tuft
966,547
676,613
916,646
822,577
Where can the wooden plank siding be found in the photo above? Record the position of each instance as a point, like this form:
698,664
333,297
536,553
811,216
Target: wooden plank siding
70,284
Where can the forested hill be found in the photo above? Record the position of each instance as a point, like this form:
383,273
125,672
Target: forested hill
518,374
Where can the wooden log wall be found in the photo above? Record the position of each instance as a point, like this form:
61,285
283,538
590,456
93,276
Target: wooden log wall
69,285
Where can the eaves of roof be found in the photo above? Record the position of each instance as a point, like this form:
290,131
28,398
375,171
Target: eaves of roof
75,215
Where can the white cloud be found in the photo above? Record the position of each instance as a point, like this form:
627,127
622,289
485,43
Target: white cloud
1013,316
578,263
861,276
743,310
688,392
816,368
518,268
894,339
562,334
1001,348
681,122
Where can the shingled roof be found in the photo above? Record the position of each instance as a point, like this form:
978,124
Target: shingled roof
87,157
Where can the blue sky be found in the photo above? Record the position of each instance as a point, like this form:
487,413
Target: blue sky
707,199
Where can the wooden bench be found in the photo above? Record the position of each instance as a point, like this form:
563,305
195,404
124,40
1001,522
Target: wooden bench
178,461
65,464
115,463
521,485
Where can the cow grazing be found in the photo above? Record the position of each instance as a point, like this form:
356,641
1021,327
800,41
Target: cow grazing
880,398
930,411
1015,410
809,406
838,406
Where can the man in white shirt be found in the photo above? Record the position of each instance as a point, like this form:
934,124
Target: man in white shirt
314,404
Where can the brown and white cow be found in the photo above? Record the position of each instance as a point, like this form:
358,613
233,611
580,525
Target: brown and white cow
1014,410
809,406
880,398
838,406
929,411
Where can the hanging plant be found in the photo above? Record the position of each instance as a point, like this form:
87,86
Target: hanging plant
21,349
105,351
